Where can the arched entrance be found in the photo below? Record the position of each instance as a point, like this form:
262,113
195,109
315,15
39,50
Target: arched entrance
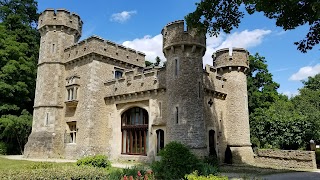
134,128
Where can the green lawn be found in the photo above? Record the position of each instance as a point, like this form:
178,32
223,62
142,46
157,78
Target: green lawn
8,164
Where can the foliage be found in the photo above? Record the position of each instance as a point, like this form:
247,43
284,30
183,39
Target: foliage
157,63
115,175
133,170
224,15
176,161
65,172
100,161
14,131
262,90
195,176
318,156
19,48
3,148
281,126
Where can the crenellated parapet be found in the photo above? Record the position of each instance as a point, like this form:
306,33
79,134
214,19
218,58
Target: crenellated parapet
60,19
233,59
174,36
133,84
95,44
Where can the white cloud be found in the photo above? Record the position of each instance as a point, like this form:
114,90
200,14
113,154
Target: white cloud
122,16
305,72
152,46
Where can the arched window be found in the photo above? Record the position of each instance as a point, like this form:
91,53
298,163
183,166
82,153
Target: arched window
160,139
134,128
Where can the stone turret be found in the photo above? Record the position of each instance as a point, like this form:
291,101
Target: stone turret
232,65
59,29
184,81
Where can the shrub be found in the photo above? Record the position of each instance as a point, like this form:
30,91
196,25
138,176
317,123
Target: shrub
100,161
176,161
133,171
3,148
115,175
195,176
58,173
318,156
206,169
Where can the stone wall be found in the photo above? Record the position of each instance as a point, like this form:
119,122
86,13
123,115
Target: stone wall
286,159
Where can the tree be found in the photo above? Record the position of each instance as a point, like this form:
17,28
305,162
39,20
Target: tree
262,90
224,15
148,63
19,48
158,60
18,55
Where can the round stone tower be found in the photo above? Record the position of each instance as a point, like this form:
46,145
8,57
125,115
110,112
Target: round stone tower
184,81
232,65
58,29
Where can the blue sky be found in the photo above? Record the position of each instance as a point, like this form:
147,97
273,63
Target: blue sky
138,24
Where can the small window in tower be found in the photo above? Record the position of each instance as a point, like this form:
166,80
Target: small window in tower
177,115
53,48
176,62
72,132
160,109
47,119
118,73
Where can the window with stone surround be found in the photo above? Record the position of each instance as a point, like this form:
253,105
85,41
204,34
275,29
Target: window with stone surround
176,67
118,73
134,128
72,132
72,88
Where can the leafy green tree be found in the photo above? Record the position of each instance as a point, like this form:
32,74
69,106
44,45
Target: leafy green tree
281,126
262,90
308,102
14,131
18,55
224,15
148,63
19,46
158,60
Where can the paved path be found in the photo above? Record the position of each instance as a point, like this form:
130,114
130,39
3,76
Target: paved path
315,175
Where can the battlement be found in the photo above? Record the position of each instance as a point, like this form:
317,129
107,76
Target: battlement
175,35
235,57
106,48
60,17
134,81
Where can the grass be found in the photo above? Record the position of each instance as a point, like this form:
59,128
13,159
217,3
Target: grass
8,164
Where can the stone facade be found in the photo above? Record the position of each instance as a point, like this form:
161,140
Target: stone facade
97,97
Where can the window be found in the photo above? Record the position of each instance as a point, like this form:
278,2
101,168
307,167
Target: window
72,132
47,119
160,109
118,73
177,115
53,48
160,140
199,89
176,62
134,130
72,93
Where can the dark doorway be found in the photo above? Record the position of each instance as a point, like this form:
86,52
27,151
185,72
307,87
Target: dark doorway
160,139
212,144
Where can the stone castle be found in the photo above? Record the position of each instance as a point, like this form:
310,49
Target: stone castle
97,97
